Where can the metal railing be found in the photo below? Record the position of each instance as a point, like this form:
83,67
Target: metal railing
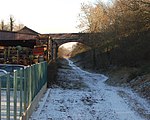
17,90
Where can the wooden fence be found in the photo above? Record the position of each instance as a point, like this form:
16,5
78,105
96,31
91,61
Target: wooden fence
18,90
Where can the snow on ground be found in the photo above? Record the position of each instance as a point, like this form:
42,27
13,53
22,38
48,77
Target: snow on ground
89,99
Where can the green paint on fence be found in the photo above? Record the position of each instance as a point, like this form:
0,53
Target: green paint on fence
25,85
15,94
8,96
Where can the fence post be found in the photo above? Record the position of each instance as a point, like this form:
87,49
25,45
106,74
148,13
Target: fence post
21,88
30,83
34,81
8,96
15,94
25,89
28,89
0,98
38,76
45,71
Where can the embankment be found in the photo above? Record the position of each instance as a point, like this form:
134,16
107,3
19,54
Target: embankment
128,64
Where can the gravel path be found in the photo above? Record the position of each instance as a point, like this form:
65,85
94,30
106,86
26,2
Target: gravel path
80,95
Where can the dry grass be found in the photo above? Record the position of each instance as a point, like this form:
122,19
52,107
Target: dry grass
131,77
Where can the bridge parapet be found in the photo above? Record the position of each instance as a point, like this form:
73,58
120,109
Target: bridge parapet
60,39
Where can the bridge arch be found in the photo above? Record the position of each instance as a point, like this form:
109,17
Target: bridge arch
71,37
70,49
54,41
59,39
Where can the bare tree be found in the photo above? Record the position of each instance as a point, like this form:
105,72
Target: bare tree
123,17
93,17
113,25
2,25
11,23
18,26
11,26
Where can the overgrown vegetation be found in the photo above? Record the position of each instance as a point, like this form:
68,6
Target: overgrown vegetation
120,35
79,48
120,31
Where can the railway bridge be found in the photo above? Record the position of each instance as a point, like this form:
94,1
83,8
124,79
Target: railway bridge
28,38
56,40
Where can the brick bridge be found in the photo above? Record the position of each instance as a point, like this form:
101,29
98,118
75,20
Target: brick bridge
60,39
57,40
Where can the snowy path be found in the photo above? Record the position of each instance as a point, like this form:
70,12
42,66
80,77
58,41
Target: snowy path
88,98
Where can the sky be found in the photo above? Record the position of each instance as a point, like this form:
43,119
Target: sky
44,16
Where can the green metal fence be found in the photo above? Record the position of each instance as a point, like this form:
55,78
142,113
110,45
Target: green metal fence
18,90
